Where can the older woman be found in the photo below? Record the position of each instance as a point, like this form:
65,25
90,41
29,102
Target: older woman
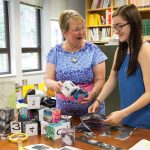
76,60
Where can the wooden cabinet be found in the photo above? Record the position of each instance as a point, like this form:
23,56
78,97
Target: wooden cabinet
99,18
112,103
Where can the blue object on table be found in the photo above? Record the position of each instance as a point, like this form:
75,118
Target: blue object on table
79,92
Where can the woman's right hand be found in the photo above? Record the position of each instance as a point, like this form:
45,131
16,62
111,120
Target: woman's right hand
94,107
58,86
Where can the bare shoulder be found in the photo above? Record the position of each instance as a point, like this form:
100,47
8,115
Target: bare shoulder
145,47
145,51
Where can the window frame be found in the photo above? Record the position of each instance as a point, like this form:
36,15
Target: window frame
38,48
7,38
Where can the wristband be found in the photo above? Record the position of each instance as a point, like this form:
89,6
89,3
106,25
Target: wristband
98,101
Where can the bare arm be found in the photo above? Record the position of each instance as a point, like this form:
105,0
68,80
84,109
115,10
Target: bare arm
99,80
144,59
50,80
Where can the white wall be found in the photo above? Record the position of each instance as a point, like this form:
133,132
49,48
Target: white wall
51,9
78,5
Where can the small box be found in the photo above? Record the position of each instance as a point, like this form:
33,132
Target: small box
41,113
56,114
68,136
15,127
53,131
30,128
66,123
48,115
52,115
4,127
23,114
37,114
44,125
6,114
33,101
67,118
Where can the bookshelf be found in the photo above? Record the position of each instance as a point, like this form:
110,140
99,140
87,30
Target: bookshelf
99,18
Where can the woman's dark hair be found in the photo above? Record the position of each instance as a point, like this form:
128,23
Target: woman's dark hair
132,16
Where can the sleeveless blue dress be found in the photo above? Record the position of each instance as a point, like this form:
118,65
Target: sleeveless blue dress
131,88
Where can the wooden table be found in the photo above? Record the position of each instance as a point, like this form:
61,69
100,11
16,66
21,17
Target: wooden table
137,135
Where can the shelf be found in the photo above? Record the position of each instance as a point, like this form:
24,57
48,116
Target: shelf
99,42
100,26
93,31
147,38
98,9
141,9
144,9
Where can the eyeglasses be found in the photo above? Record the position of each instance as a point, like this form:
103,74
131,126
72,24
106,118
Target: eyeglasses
77,30
119,27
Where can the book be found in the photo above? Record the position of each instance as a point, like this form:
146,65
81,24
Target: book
97,20
91,19
94,19
99,4
118,3
103,20
106,3
94,4
108,16
141,145
91,35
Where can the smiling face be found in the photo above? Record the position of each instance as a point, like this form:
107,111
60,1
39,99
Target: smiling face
122,28
76,31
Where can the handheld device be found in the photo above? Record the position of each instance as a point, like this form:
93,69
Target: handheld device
70,89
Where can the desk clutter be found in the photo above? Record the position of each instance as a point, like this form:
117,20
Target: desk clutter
92,126
41,121
49,122
93,121
97,143
38,116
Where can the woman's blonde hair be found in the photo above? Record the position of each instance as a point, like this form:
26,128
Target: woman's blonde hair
66,16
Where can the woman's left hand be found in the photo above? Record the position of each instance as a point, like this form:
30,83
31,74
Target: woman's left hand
114,118
90,97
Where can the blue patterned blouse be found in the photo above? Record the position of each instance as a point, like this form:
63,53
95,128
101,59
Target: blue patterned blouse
79,71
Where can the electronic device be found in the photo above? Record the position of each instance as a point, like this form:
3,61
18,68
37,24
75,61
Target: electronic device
70,89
